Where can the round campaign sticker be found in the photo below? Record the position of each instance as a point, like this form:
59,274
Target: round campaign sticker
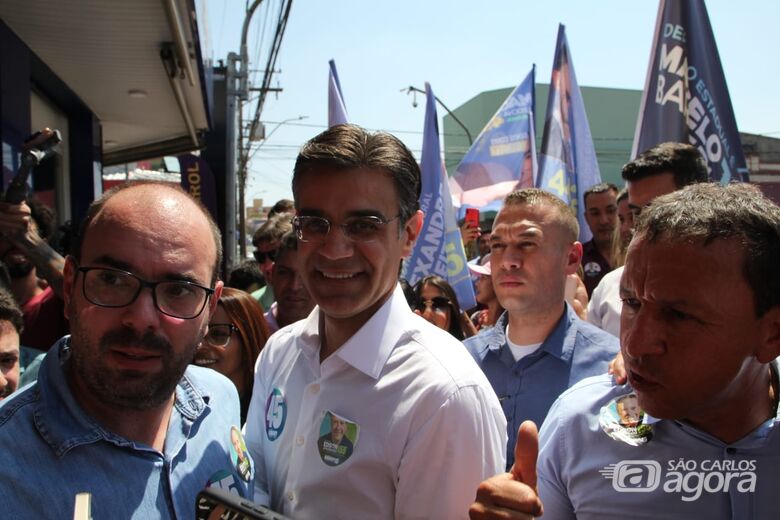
338,438
622,419
275,414
591,269
239,455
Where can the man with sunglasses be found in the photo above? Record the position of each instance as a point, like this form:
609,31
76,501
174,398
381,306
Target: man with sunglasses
267,240
421,418
117,410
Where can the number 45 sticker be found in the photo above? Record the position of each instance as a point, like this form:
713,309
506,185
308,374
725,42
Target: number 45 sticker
275,414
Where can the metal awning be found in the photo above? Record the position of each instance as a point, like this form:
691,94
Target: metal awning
109,54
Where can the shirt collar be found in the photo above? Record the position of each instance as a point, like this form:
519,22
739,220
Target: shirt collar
370,347
560,342
64,424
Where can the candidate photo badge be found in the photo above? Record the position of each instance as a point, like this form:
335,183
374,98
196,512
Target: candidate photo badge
239,455
622,420
275,414
338,438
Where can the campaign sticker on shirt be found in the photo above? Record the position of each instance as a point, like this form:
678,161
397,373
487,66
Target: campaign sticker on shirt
239,455
338,438
622,419
591,269
275,414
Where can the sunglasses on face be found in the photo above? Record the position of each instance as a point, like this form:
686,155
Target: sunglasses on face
261,256
438,304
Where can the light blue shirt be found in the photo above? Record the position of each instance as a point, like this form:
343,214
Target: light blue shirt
53,450
681,473
527,388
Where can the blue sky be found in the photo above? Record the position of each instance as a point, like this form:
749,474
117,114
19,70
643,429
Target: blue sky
463,48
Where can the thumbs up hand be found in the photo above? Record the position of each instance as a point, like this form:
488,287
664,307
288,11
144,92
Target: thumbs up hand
513,494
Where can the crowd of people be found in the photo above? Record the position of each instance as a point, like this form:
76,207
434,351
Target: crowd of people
311,380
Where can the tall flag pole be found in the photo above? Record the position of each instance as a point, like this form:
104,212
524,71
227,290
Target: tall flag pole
337,110
686,98
568,160
503,155
439,248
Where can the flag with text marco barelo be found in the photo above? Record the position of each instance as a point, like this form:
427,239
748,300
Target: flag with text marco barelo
501,158
439,248
567,159
686,99
337,110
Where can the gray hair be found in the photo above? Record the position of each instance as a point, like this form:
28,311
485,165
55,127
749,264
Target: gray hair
707,212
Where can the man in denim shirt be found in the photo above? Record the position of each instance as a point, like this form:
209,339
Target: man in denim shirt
539,347
117,412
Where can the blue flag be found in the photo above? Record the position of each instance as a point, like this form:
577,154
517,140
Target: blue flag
439,248
686,99
337,111
503,155
568,165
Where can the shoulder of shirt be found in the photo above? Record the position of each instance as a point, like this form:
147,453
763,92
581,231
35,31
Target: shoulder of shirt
585,398
593,334
18,402
209,382
446,357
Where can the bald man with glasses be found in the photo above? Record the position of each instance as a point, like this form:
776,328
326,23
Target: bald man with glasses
117,410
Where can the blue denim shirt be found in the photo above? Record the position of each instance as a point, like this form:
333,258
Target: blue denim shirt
527,388
52,450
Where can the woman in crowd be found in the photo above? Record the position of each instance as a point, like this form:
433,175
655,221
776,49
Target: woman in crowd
490,310
435,301
237,333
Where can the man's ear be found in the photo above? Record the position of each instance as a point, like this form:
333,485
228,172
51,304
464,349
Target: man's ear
573,258
69,273
215,297
411,231
769,335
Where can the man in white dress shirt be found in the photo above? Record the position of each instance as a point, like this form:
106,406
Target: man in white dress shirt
424,425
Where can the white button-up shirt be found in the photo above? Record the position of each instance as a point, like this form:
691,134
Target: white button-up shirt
426,427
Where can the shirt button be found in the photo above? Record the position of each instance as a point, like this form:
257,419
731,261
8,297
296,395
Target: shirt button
290,496
314,389
299,440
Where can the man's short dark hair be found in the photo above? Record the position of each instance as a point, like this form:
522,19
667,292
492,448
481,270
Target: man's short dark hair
244,275
98,204
707,212
282,206
682,160
273,229
347,147
10,311
566,217
599,188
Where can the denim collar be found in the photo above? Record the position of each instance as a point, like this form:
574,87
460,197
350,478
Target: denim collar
64,424
559,343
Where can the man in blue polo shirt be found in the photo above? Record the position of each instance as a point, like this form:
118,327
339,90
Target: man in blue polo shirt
118,411
539,347
694,432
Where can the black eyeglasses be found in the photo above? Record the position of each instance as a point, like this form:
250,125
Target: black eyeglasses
438,304
261,256
115,288
219,334
358,229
